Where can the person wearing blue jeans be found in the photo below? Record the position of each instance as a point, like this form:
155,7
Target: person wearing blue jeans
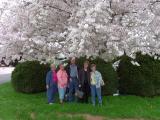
96,83
51,91
61,94
73,86
72,71
51,84
96,92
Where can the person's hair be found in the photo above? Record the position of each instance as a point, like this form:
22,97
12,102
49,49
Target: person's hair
93,65
86,62
52,65
61,64
72,58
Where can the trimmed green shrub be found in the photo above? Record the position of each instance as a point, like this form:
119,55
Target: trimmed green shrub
143,80
124,74
108,73
29,77
150,69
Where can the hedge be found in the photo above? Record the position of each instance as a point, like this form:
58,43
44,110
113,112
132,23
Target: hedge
108,73
143,80
29,77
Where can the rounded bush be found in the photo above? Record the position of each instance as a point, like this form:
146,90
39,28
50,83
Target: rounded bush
150,71
123,74
29,77
143,80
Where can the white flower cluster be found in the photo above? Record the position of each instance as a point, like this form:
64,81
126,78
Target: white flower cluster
42,29
116,64
135,63
115,26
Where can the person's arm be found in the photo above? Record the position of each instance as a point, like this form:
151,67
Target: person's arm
66,77
47,80
89,77
80,78
78,70
101,79
100,76
68,71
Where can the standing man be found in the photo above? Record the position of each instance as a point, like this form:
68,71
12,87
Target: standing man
84,81
51,84
72,71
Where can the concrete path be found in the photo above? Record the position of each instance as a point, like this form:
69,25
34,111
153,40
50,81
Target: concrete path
5,78
5,74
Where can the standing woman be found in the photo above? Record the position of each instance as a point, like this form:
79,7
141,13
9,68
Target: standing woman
96,82
62,82
51,84
84,81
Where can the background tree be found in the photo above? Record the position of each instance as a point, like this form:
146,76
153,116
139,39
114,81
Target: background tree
110,27
34,27
42,29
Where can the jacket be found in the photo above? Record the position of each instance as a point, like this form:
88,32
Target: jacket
49,79
62,78
96,79
68,71
82,76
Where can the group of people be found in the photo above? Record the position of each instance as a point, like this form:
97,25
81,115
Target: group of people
73,81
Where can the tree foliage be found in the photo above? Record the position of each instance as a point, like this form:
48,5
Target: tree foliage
41,29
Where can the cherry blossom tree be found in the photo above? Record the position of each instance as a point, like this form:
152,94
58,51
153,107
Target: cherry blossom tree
34,27
43,29
111,27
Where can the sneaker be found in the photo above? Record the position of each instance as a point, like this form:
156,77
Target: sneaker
61,101
94,105
100,104
50,103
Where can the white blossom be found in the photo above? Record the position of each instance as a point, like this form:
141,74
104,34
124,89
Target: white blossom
135,63
116,64
43,29
115,26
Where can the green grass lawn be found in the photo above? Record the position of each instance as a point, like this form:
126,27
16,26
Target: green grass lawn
18,106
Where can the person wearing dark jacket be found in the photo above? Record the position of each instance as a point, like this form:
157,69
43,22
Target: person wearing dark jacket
72,71
84,81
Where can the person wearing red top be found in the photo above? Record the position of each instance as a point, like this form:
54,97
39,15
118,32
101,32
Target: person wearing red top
51,84
62,82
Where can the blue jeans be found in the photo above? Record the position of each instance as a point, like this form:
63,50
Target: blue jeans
73,86
62,92
51,91
96,92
